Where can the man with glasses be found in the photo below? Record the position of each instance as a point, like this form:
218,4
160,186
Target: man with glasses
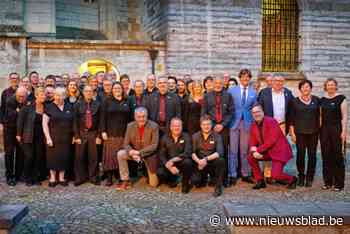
276,102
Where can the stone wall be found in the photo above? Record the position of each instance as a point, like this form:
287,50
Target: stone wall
40,17
155,19
212,37
57,57
77,14
12,57
11,12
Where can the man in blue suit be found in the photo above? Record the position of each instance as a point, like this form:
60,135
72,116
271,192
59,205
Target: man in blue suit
244,97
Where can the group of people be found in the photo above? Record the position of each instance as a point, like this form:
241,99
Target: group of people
91,128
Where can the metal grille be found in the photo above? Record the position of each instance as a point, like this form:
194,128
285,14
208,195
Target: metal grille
280,35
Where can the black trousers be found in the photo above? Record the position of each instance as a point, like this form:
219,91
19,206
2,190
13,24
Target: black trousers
34,161
14,158
225,134
86,158
214,168
333,166
306,143
185,167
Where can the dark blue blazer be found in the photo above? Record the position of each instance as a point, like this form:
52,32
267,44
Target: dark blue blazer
265,99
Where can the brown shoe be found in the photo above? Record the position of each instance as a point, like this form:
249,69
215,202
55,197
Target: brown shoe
124,185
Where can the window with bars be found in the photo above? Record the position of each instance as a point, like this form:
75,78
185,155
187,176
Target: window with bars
280,36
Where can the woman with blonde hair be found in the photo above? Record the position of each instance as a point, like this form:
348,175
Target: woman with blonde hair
193,108
334,117
30,135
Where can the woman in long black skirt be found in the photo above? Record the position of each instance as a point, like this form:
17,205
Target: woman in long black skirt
116,113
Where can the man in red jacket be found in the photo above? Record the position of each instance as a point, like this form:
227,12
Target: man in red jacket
267,142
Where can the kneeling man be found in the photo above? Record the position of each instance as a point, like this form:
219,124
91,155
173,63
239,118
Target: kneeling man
267,143
140,144
175,156
208,156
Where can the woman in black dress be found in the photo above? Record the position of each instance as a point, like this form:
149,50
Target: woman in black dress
115,116
304,131
193,108
73,93
334,116
30,135
58,130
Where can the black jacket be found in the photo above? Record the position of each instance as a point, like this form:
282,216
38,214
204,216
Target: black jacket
172,107
25,123
5,95
11,112
227,107
79,117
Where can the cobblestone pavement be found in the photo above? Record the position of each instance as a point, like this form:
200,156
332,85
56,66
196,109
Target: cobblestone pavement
98,209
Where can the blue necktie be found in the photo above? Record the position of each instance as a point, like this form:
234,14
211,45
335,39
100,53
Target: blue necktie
244,96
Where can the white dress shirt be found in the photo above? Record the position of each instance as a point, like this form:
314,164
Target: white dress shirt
278,102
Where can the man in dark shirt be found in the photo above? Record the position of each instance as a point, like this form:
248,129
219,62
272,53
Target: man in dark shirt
162,106
13,154
183,96
208,156
85,125
7,93
150,85
219,105
175,156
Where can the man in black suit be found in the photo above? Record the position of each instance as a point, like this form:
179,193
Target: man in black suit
276,101
162,105
219,105
14,159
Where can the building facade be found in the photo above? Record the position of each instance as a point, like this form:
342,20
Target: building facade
302,38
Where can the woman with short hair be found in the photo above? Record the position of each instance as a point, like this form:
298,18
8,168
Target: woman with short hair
58,130
305,125
334,117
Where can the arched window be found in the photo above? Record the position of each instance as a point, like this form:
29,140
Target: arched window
280,36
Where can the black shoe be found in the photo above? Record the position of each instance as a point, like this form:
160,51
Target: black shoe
260,184
64,183
186,189
11,182
53,184
248,179
308,183
301,181
293,184
326,187
337,189
218,191
78,183
109,182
